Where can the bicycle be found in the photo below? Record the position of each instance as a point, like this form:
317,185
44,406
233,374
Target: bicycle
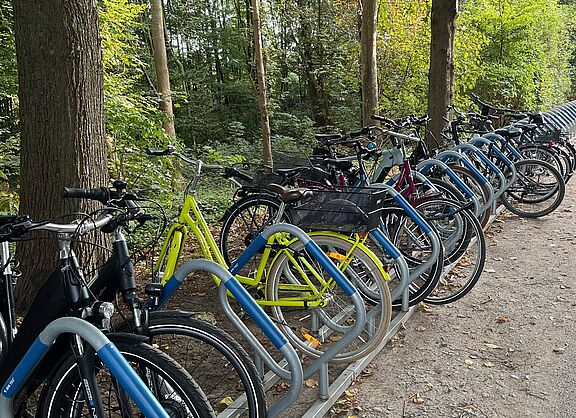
311,293
195,344
65,293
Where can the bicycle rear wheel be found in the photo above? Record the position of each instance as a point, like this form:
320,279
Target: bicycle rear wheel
218,363
465,251
416,248
314,329
243,222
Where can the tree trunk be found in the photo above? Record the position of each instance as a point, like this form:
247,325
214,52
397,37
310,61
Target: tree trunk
320,112
441,74
368,63
61,119
262,103
161,65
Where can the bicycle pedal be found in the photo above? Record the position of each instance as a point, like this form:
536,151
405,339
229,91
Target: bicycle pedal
255,292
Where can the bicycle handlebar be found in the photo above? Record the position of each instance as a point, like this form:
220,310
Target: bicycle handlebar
101,194
228,171
232,172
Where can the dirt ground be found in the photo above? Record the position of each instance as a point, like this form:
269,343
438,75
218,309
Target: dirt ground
505,350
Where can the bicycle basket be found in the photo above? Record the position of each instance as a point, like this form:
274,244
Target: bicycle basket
262,175
357,210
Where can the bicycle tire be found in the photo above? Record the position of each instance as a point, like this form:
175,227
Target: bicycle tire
63,398
243,221
481,190
517,197
395,223
361,268
464,267
219,364
531,151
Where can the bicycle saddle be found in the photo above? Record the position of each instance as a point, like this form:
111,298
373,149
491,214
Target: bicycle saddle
508,132
288,173
289,195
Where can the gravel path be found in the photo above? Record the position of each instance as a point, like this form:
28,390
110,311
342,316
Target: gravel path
505,350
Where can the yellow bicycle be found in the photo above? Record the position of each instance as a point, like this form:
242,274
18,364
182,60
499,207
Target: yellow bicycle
311,308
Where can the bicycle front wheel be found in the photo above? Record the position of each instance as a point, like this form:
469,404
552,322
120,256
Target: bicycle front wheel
314,329
538,190
177,392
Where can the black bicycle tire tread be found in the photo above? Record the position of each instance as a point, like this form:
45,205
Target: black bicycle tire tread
557,201
234,353
139,349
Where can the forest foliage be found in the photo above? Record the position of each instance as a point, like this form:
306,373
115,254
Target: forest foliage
516,53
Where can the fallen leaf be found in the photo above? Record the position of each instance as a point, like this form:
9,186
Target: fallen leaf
350,393
226,401
206,317
422,307
311,383
468,362
490,345
502,319
417,399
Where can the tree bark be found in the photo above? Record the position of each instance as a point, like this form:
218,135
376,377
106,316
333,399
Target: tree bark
368,62
161,65
61,119
441,74
319,103
262,101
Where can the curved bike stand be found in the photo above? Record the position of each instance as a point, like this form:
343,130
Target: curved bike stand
294,373
402,289
492,137
453,155
425,166
107,352
321,363
499,154
475,152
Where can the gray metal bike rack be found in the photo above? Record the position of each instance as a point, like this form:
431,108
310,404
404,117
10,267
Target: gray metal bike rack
296,374
427,164
228,282
453,155
503,185
401,290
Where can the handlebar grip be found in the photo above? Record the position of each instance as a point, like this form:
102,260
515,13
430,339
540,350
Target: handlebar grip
232,172
156,152
101,194
170,149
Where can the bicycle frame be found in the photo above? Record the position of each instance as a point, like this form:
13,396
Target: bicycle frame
191,217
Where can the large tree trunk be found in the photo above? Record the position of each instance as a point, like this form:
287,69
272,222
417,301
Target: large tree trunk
262,102
368,63
441,74
61,119
161,65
